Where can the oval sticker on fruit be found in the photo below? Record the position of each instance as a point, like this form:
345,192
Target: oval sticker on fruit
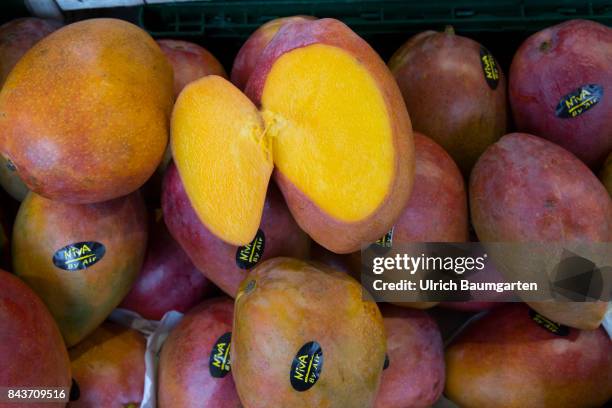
549,325
79,255
248,255
579,101
219,362
306,367
489,68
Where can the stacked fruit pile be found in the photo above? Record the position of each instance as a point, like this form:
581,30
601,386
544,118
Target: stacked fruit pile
149,181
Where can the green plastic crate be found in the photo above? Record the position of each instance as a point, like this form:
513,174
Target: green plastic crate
501,25
223,25
233,18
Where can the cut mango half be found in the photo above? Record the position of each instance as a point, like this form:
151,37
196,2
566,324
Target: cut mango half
324,124
222,154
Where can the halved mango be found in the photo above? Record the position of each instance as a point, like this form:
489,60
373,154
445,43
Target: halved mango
331,138
333,124
221,150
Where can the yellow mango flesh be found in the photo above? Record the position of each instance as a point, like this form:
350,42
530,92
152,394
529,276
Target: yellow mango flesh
331,131
222,157
326,129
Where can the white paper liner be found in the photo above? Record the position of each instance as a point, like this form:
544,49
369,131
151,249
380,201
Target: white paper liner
607,321
156,333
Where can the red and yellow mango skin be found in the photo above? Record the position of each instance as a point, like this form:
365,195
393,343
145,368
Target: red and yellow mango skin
184,373
527,189
215,258
80,300
350,264
441,77
109,368
553,63
415,375
189,62
285,304
246,59
437,208
16,37
84,115
507,360
33,353
168,279
333,234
